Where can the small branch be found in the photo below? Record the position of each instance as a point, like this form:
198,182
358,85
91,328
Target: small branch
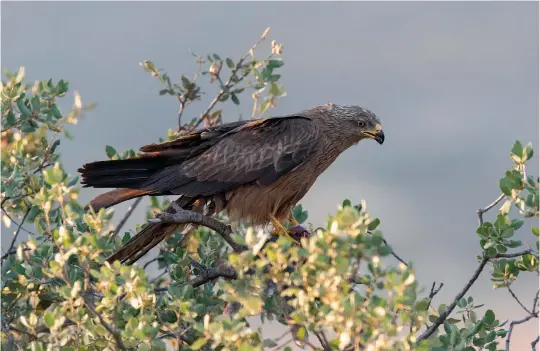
462,293
127,215
184,217
434,291
515,254
481,211
323,341
180,111
392,252
535,303
14,240
115,333
511,329
517,300
207,275
535,341
458,297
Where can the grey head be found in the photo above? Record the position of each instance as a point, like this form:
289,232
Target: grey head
356,119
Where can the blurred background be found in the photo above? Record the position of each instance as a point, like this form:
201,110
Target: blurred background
454,84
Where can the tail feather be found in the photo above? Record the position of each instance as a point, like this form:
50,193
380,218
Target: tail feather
114,197
129,173
152,234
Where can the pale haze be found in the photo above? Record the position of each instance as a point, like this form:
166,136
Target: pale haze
454,84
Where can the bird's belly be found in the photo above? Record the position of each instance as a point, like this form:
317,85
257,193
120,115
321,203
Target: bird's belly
254,204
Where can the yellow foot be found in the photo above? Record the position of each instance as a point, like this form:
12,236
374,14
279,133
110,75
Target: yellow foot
279,229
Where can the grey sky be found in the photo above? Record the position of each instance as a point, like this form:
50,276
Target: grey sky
454,84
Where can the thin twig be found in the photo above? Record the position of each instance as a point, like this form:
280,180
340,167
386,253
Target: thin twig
16,223
434,292
127,215
535,303
481,211
517,300
115,333
14,240
511,329
229,83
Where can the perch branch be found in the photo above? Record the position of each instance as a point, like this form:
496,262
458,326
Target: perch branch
184,217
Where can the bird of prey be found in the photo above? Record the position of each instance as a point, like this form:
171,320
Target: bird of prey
255,170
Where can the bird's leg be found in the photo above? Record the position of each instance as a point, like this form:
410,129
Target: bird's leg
293,220
279,228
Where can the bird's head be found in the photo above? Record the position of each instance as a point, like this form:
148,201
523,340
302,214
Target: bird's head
358,120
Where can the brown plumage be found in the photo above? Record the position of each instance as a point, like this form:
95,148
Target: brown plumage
256,170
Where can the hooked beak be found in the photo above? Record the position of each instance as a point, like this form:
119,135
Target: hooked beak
376,134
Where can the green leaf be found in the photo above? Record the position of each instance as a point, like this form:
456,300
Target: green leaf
374,224
49,319
22,107
110,151
422,305
230,63
517,149
517,223
506,186
535,231
489,317
35,103
528,152
234,99
198,344
275,63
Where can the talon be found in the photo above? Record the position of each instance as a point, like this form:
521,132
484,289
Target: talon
293,220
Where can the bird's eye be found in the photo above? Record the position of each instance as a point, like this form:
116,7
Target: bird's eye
361,124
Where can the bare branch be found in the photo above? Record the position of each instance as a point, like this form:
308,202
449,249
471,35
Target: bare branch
517,300
434,291
127,215
463,291
481,211
392,252
511,329
14,240
535,303
184,217
535,341
458,297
